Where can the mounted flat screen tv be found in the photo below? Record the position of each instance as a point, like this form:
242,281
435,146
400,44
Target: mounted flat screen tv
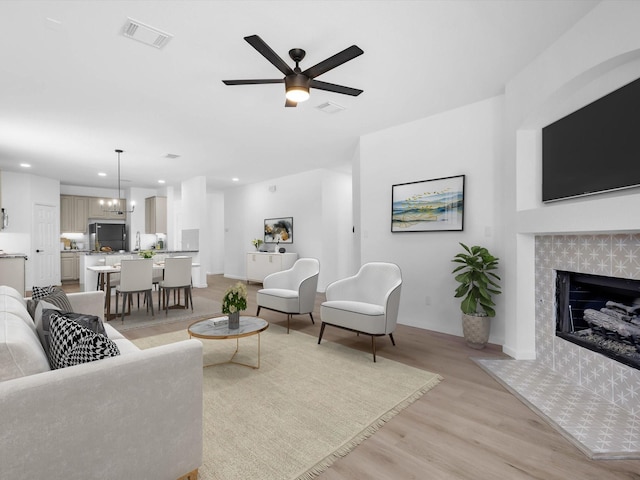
594,149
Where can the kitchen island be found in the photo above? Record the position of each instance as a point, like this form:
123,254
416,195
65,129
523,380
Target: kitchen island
89,279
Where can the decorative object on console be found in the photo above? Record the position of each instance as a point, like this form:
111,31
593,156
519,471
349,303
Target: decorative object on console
297,82
428,206
233,302
256,242
278,230
114,205
4,219
477,284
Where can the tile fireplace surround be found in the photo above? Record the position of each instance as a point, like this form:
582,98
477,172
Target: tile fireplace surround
591,399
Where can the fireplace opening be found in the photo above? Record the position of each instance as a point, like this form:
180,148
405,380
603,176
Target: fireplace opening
600,313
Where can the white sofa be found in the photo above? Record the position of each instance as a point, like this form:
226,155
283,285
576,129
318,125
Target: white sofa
135,415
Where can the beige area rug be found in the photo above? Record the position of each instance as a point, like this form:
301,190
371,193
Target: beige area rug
306,406
202,308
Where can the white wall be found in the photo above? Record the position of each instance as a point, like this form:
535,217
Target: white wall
319,202
20,193
462,141
193,215
215,241
599,54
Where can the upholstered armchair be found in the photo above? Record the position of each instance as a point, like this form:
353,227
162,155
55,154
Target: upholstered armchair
291,291
365,303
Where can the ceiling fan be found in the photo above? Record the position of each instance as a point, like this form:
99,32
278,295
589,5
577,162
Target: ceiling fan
297,82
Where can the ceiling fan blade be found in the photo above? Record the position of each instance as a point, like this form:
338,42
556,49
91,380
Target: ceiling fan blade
290,103
331,87
252,82
332,62
256,42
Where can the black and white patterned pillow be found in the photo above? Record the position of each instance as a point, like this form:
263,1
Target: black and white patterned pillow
73,344
56,297
40,292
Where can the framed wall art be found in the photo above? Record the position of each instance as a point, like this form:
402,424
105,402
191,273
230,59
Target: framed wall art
428,205
278,230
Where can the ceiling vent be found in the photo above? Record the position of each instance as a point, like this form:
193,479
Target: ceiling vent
172,156
145,34
330,107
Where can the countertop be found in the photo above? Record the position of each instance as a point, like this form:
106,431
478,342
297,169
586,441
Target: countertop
156,252
13,255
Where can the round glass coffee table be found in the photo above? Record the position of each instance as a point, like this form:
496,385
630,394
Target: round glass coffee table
218,329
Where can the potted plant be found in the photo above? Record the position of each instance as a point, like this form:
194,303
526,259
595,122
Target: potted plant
234,300
256,242
478,283
147,253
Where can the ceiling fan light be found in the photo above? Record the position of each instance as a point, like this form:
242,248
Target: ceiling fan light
297,94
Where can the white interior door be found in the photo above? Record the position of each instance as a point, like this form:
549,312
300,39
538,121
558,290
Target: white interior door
46,246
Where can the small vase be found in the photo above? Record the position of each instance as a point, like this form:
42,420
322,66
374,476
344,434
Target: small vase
234,320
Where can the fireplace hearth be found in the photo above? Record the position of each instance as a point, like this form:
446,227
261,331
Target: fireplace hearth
601,314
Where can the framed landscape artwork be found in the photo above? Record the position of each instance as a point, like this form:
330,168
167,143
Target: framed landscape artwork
278,230
428,205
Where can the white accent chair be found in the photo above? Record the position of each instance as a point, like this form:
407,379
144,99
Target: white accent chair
177,276
135,277
366,303
291,291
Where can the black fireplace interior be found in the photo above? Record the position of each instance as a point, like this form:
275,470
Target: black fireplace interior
600,313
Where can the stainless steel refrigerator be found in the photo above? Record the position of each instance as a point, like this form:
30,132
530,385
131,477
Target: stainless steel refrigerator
113,235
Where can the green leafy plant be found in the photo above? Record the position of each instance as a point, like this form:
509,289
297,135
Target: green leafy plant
235,299
256,242
147,253
477,280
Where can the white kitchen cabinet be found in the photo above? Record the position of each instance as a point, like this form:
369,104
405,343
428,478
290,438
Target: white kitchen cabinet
74,214
97,210
69,266
155,215
261,264
12,272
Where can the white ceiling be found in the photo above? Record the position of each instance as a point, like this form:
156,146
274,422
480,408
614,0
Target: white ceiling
73,88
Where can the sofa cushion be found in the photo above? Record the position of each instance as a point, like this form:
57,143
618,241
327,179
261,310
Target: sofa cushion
21,353
12,292
73,344
11,304
57,297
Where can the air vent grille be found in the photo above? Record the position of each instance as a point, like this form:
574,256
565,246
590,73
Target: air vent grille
172,155
144,33
330,107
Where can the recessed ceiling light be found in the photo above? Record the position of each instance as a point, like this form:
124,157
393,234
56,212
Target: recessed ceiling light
25,165
235,179
102,174
172,156
161,181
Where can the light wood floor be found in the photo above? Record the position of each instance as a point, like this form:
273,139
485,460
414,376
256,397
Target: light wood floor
468,427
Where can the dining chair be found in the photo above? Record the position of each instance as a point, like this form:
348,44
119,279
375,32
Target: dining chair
135,277
177,277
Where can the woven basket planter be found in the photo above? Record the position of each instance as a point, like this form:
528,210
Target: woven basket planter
476,330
